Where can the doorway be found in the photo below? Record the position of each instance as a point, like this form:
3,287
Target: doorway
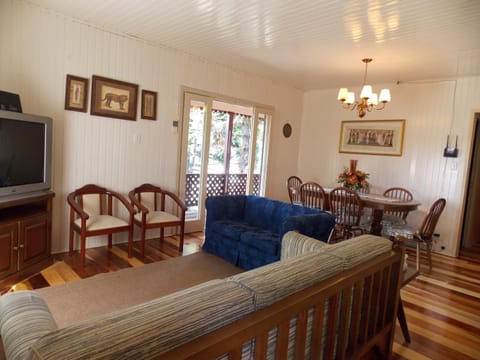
470,245
224,152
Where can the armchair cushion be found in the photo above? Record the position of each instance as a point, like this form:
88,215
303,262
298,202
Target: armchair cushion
100,222
157,217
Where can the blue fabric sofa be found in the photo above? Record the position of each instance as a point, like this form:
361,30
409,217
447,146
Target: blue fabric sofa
246,230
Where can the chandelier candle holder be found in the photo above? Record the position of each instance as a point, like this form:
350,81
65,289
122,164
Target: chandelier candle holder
368,99
353,178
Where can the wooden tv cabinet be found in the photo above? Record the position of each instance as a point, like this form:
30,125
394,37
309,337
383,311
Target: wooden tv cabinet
25,235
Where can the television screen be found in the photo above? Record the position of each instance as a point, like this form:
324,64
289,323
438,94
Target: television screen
22,145
25,154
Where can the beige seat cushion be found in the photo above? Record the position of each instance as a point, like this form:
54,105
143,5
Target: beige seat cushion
99,222
157,217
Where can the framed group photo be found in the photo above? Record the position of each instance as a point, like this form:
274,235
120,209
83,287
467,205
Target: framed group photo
114,98
372,137
76,93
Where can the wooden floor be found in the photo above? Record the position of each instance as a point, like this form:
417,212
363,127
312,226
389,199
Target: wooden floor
442,308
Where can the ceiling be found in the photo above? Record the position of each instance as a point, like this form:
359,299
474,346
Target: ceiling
308,44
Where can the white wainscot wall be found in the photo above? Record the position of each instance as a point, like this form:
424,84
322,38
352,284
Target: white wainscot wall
120,154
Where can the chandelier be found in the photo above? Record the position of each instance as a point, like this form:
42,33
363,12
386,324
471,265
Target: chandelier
368,99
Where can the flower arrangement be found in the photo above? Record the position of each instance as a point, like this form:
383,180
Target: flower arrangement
352,178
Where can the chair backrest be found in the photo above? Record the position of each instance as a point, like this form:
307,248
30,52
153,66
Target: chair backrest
312,195
346,206
293,185
430,221
401,194
147,195
92,198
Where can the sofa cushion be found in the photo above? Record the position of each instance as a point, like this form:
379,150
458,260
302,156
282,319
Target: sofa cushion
231,229
294,244
24,319
251,258
263,240
276,281
225,207
147,330
270,214
358,249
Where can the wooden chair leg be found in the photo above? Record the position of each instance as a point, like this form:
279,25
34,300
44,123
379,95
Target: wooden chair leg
142,241
418,256
182,233
162,233
130,241
70,242
429,255
109,241
83,244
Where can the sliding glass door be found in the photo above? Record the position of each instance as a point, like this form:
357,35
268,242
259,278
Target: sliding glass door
224,151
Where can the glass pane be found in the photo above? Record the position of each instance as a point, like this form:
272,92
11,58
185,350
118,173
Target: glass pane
239,154
218,140
216,156
259,154
194,157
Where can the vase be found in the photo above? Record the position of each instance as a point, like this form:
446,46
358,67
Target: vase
353,166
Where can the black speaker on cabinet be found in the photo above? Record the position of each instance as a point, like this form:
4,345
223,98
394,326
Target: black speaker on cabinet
10,101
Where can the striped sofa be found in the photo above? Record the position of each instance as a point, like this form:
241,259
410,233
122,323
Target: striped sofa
316,300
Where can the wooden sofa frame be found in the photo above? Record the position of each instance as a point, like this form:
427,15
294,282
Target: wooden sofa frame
366,297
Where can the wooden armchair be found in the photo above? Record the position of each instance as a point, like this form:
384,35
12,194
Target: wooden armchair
425,233
312,195
293,185
150,201
346,207
92,214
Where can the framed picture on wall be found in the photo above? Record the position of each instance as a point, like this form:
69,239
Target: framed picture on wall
149,105
76,93
114,98
374,137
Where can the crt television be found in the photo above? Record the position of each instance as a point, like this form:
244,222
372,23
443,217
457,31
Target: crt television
25,153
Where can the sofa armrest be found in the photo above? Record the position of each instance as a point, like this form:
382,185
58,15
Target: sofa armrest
317,226
24,318
295,244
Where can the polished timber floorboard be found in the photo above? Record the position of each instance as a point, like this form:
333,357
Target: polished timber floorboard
442,308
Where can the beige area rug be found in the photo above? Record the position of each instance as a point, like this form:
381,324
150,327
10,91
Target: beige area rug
75,301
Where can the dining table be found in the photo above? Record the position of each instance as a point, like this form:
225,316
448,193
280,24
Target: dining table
379,204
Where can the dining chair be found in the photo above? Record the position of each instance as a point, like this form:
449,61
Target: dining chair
423,234
293,185
94,212
157,208
397,217
312,195
346,207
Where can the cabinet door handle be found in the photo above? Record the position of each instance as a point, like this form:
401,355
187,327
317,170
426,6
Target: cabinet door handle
21,246
15,248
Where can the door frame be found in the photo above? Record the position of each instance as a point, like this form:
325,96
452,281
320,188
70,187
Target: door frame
476,122
257,108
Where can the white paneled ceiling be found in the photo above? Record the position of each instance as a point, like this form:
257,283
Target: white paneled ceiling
309,44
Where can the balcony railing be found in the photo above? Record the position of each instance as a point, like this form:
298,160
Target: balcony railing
236,184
